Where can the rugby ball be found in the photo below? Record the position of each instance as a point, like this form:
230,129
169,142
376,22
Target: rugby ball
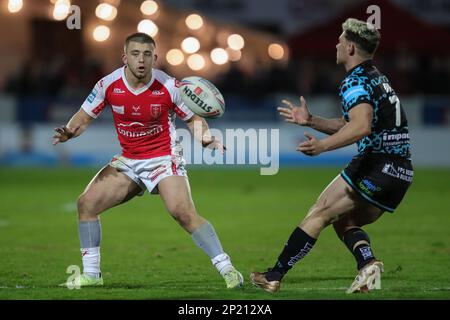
202,97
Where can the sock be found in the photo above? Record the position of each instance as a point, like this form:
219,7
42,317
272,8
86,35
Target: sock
362,251
296,248
206,239
90,233
91,261
222,262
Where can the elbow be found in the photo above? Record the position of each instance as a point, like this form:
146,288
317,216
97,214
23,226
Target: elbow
365,131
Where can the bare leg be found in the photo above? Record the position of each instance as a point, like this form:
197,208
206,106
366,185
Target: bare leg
348,229
337,200
362,215
176,195
107,189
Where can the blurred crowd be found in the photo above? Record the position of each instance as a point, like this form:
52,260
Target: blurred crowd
42,87
410,74
55,77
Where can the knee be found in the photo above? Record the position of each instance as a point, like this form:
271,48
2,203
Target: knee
86,205
319,216
184,214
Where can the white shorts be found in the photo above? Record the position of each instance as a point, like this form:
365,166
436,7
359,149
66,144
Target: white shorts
147,173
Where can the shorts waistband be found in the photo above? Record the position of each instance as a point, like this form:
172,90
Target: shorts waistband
384,155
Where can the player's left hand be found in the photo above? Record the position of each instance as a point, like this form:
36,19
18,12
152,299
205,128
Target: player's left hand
214,143
63,134
312,146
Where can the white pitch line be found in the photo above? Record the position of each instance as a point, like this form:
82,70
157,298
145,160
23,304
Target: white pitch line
17,286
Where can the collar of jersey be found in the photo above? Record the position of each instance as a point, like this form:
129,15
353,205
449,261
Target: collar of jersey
363,64
136,91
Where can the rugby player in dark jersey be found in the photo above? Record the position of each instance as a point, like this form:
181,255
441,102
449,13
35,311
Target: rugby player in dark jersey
376,179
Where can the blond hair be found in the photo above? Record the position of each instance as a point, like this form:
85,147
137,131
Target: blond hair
365,36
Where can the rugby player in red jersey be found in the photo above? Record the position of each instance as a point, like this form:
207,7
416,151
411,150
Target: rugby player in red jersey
144,102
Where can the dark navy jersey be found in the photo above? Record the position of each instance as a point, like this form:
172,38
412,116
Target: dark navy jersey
365,84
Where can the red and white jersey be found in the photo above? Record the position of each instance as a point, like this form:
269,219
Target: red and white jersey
145,117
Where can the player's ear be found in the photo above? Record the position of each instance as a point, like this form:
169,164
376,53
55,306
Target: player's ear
155,57
351,49
124,58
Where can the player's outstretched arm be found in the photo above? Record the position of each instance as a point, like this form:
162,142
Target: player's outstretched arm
76,126
200,129
300,115
357,128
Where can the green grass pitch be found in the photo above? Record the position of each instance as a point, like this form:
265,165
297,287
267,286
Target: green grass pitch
146,255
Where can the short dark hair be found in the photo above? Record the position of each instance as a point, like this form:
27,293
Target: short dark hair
364,35
139,37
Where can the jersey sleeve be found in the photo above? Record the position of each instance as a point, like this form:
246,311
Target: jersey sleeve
179,106
95,101
355,90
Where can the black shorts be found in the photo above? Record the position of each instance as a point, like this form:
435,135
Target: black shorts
380,179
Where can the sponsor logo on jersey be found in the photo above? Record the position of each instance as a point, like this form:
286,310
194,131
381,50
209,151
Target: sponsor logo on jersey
92,95
155,110
180,113
150,131
118,91
395,136
132,124
395,139
118,109
136,111
157,92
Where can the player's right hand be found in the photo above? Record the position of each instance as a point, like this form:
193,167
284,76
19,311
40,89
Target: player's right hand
63,134
296,114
